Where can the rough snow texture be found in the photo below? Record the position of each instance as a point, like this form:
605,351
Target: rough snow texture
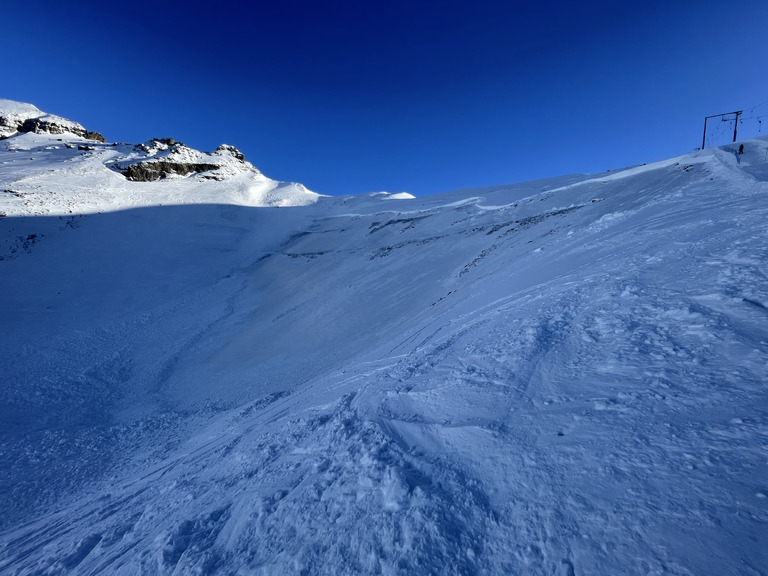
559,377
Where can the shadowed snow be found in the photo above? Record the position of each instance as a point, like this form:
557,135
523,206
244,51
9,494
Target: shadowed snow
557,377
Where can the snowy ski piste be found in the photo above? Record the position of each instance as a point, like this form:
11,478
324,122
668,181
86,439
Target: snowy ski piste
205,371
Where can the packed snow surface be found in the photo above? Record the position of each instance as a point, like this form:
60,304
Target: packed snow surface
559,377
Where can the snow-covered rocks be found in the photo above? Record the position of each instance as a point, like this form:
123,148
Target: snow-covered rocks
19,117
14,114
162,158
227,150
52,165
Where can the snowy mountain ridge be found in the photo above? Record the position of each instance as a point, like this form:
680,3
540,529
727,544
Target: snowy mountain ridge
19,117
158,172
556,377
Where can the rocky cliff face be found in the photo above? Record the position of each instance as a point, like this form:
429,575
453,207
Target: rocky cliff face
17,117
8,126
162,158
50,124
151,171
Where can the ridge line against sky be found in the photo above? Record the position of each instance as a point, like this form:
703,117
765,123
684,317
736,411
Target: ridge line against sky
353,97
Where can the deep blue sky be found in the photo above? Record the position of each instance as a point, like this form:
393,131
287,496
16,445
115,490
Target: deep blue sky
419,96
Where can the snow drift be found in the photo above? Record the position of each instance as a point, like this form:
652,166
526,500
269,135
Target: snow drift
556,377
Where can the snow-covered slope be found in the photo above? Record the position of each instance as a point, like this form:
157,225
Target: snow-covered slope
557,377
96,176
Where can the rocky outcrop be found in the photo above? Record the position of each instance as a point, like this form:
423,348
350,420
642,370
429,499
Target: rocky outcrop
49,124
158,169
158,144
19,118
161,158
9,125
226,149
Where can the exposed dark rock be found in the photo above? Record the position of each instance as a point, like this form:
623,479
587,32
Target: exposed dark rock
226,148
9,124
94,136
156,170
44,126
173,161
159,144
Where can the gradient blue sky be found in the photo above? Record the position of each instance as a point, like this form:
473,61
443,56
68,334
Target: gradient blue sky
419,96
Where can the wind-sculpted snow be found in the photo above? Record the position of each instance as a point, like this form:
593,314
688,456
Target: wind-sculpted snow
558,377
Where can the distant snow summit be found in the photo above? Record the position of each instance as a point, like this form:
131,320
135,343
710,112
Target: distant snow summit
101,176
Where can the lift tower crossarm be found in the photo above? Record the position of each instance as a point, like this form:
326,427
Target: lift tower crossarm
735,125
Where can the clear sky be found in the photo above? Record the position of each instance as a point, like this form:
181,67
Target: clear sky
358,96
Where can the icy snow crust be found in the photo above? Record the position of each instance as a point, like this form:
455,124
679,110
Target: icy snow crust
558,377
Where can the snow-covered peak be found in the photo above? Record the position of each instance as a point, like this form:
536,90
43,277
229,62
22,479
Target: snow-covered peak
13,114
48,168
20,117
21,109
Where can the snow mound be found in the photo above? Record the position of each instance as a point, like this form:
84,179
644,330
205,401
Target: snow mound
400,196
392,196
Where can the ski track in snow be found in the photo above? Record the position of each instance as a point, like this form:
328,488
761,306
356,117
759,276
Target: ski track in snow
564,377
